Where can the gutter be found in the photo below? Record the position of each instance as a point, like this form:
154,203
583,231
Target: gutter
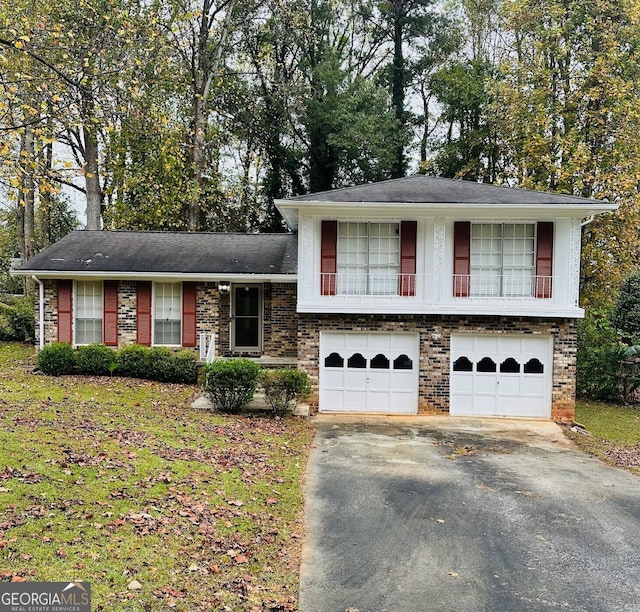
587,221
40,309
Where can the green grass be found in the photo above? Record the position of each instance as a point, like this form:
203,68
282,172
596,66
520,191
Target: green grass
615,433
111,480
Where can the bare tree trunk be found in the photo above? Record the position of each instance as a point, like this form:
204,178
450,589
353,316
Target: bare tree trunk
91,164
27,197
204,70
92,178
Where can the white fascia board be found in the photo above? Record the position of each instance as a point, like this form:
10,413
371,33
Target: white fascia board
459,210
163,276
547,313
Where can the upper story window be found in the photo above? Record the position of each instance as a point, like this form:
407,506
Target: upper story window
502,259
167,313
89,312
368,258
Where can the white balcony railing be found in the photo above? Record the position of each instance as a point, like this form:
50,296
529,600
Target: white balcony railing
433,290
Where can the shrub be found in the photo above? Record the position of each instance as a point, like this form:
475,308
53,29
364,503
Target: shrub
282,388
625,316
230,383
159,364
57,359
18,321
96,360
185,368
132,361
598,359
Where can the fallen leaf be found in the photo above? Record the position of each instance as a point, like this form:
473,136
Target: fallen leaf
241,559
453,573
441,521
134,585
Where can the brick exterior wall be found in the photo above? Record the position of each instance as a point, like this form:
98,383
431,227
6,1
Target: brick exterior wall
212,316
435,334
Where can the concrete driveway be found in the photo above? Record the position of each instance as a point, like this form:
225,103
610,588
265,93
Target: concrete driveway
465,515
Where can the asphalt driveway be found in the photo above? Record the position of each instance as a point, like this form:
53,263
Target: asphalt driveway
465,515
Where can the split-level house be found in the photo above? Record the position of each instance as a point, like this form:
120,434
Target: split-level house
416,295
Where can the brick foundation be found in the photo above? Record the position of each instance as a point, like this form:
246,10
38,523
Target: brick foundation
435,334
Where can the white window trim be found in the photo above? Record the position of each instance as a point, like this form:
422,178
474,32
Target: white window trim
502,268
74,308
232,319
367,273
153,313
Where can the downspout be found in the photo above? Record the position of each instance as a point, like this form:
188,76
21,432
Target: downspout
587,221
40,309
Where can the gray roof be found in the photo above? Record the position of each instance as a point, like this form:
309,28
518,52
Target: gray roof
430,189
168,252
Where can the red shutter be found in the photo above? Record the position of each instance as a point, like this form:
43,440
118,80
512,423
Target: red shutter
461,258
110,320
65,311
143,313
544,259
328,257
408,237
188,314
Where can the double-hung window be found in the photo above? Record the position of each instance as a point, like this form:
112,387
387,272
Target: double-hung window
167,314
368,258
89,306
503,259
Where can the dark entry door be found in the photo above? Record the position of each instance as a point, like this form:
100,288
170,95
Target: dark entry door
247,316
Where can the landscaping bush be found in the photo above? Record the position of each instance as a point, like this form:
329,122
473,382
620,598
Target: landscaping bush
185,368
230,383
17,321
282,388
57,359
96,360
132,361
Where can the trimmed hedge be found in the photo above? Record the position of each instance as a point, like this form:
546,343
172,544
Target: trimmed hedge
57,359
230,383
282,388
134,361
95,360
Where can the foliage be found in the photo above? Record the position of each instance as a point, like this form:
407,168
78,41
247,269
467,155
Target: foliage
95,360
132,361
57,359
17,320
230,383
203,510
164,366
598,359
625,316
283,387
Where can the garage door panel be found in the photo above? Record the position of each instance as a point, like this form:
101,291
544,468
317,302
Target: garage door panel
485,383
510,391
354,401
462,383
388,382
403,380
380,380
509,385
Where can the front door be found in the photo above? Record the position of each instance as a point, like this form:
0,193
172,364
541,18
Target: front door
246,316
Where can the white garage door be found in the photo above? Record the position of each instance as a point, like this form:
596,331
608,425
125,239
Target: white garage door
369,372
501,375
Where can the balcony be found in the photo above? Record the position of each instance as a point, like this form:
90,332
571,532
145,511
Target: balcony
429,289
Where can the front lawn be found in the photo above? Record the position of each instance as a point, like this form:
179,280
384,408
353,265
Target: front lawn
615,433
118,482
